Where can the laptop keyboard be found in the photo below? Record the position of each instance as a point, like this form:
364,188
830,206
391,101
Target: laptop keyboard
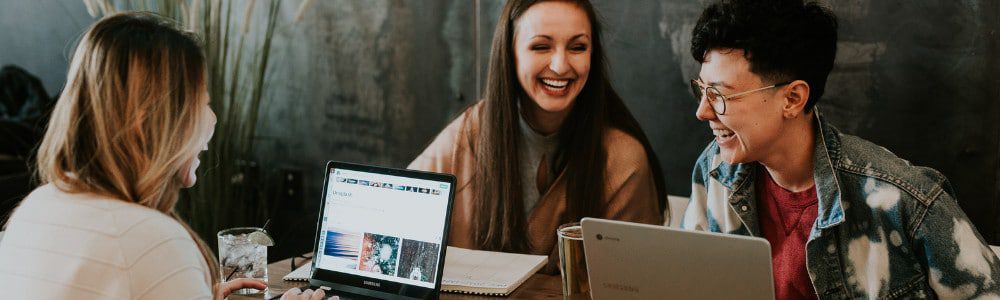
330,295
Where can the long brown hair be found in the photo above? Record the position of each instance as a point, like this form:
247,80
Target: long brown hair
131,116
500,220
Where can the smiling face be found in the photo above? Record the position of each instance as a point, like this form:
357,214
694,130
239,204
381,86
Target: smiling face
752,125
552,47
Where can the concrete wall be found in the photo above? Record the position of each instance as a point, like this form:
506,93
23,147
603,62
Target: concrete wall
38,35
368,81
362,81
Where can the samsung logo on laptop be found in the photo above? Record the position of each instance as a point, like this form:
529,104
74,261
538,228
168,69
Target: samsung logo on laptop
372,283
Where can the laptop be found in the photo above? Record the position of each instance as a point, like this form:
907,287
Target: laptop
639,261
382,232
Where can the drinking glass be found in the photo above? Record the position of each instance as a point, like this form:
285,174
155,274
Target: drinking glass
242,257
572,263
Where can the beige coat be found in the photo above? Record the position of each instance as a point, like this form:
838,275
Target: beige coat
630,191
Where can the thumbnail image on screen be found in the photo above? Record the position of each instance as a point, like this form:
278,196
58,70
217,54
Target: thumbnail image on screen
342,248
379,254
418,260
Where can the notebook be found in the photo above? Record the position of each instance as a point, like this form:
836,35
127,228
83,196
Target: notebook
472,271
301,274
487,273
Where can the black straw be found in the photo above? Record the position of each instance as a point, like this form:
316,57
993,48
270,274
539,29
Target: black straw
231,273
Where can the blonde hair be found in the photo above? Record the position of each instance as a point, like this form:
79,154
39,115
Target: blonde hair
131,116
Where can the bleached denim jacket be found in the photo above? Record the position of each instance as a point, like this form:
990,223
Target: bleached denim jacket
885,228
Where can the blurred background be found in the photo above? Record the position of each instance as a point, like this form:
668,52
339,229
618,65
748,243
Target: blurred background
374,81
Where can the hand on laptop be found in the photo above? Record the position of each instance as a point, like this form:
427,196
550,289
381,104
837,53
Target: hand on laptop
228,287
296,294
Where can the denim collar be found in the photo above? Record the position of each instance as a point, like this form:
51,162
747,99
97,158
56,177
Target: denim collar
739,178
825,155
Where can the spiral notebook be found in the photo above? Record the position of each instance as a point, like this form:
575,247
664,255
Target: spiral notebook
487,273
300,274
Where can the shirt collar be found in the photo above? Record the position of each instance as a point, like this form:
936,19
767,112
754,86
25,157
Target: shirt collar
827,150
533,137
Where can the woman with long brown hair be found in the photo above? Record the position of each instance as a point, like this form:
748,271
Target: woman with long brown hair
551,141
123,139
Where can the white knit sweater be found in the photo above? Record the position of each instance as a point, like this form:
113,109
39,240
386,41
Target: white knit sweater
73,246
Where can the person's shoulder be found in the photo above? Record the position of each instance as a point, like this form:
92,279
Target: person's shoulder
49,204
109,218
467,122
463,126
127,218
99,227
138,244
867,159
455,140
136,220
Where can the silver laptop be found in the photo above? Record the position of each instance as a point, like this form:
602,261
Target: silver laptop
382,232
639,261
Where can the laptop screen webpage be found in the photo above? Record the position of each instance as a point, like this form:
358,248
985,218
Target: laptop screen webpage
382,226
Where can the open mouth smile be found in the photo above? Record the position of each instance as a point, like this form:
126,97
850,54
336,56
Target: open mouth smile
556,87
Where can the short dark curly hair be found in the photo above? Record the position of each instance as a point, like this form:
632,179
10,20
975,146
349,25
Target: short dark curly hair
783,40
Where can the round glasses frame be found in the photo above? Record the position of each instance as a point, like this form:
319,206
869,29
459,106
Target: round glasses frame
716,99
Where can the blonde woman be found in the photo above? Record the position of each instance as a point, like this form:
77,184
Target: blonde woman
123,139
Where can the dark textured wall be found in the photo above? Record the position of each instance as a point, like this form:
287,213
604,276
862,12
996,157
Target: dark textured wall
361,81
365,81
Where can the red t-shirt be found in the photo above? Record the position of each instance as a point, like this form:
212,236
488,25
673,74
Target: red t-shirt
786,218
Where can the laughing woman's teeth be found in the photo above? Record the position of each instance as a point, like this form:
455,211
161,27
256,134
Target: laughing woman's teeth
555,83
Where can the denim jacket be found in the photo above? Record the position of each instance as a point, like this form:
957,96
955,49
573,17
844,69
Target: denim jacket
885,228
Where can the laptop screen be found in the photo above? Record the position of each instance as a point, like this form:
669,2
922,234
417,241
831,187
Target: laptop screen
383,226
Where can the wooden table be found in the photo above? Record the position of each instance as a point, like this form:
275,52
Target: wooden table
539,286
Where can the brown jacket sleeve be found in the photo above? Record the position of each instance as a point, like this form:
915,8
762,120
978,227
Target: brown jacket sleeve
439,156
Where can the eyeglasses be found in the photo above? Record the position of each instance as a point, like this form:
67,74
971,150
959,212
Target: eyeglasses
717,99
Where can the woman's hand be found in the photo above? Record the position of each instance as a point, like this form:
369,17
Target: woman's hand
296,294
229,287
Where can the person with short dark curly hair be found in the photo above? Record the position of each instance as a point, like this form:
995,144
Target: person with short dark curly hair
845,218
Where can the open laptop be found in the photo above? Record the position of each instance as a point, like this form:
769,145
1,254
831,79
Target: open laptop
639,261
382,232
